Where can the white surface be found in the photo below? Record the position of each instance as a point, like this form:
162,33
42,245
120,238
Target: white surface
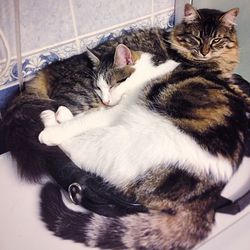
221,236
236,237
21,228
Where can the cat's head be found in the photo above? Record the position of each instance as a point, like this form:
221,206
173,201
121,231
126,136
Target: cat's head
112,69
206,34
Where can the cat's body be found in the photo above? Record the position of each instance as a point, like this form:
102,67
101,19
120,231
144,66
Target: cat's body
68,83
173,147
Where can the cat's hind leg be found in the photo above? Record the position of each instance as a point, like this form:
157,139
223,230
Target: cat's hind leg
63,114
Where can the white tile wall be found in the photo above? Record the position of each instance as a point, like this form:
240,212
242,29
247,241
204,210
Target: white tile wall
58,29
100,14
44,23
7,25
163,4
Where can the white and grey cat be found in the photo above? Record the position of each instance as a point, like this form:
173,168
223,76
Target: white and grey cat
114,157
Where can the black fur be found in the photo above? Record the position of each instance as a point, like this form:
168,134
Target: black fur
51,204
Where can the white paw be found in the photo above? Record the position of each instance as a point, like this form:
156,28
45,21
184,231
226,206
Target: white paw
50,136
48,118
63,114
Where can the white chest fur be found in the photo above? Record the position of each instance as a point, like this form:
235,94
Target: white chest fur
142,140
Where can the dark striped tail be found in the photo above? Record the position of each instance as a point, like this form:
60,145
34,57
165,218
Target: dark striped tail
155,230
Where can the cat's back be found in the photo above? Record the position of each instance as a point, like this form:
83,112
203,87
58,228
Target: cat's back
150,40
72,67
204,107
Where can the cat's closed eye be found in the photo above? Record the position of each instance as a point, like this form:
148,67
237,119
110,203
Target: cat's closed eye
195,39
216,40
116,83
121,80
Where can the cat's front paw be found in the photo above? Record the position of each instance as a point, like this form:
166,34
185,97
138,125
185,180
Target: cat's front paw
48,118
50,136
63,114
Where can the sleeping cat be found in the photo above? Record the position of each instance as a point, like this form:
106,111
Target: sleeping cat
73,83
143,70
173,143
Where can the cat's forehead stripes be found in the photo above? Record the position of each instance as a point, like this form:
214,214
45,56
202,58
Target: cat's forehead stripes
209,23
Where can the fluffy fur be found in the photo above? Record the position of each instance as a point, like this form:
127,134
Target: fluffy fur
173,147
196,100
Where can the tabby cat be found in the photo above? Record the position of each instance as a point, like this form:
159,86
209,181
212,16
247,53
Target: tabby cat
173,143
22,122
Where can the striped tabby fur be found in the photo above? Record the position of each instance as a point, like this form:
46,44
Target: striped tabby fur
201,100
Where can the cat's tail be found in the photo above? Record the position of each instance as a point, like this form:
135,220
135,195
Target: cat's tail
181,229
21,126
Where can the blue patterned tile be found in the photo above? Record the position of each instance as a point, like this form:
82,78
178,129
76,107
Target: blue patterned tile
44,23
31,64
35,62
100,14
11,74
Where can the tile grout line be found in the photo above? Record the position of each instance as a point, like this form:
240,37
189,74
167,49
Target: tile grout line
115,26
18,43
72,11
152,13
93,33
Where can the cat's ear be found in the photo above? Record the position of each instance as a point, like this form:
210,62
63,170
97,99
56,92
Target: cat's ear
229,17
123,56
190,14
93,57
